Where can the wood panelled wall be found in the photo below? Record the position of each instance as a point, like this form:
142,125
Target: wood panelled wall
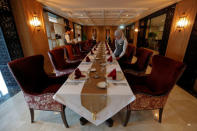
101,32
178,41
32,41
72,32
135,33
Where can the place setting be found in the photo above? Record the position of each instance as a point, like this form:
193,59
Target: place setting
78,75
87,61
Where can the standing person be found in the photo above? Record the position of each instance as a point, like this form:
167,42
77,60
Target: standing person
120,44
108,39
94,38
67,37
79,38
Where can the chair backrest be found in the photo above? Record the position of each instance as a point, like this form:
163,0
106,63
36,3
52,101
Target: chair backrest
29,73
69,50
165,73
130,51
57,58
143,58
77,49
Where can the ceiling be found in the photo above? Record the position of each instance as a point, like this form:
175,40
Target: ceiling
105,12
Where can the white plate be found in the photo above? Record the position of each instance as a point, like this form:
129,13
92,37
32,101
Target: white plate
102,84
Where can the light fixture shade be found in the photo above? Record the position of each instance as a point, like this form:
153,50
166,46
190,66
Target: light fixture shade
136,30
182,22
35,21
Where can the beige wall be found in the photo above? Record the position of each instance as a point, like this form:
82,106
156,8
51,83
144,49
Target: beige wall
101,32
32,41
178,41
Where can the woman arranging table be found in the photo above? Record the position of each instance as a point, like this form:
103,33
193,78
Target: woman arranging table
120,44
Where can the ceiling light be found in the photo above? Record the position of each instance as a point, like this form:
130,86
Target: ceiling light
156,115
121,26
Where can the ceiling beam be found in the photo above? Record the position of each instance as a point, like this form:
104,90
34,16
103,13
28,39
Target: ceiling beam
86,13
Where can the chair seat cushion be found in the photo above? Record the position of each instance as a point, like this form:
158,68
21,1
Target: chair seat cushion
43,101
147,90
52,88
147,102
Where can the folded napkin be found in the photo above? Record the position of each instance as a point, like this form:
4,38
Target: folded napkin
78,74
112,74
92,52
110,59
87,59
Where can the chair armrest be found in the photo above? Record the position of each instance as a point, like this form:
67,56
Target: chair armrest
57,79
74,62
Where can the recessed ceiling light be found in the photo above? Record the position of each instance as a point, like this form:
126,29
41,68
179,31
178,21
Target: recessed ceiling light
121,26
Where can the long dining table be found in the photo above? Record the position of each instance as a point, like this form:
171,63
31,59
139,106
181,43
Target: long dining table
95,96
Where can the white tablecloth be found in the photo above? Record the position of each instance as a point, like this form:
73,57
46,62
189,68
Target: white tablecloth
118,95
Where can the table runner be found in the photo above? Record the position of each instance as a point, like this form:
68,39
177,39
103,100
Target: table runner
119,94
95,103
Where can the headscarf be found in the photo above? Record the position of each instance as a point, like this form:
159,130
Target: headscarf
119,32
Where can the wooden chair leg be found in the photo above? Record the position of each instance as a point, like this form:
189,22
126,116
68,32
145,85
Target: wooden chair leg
127,117
32,114
160,114
63,115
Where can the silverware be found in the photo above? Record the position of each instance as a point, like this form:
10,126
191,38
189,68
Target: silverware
73,83
120,84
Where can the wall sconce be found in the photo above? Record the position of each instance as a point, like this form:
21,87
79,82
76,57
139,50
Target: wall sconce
182,23
136,30
35,22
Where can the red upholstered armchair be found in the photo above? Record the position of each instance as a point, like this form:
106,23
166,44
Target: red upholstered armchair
131,50
126,59
85,46
152,91
60,65
38,88
70,53
140,66
78,52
